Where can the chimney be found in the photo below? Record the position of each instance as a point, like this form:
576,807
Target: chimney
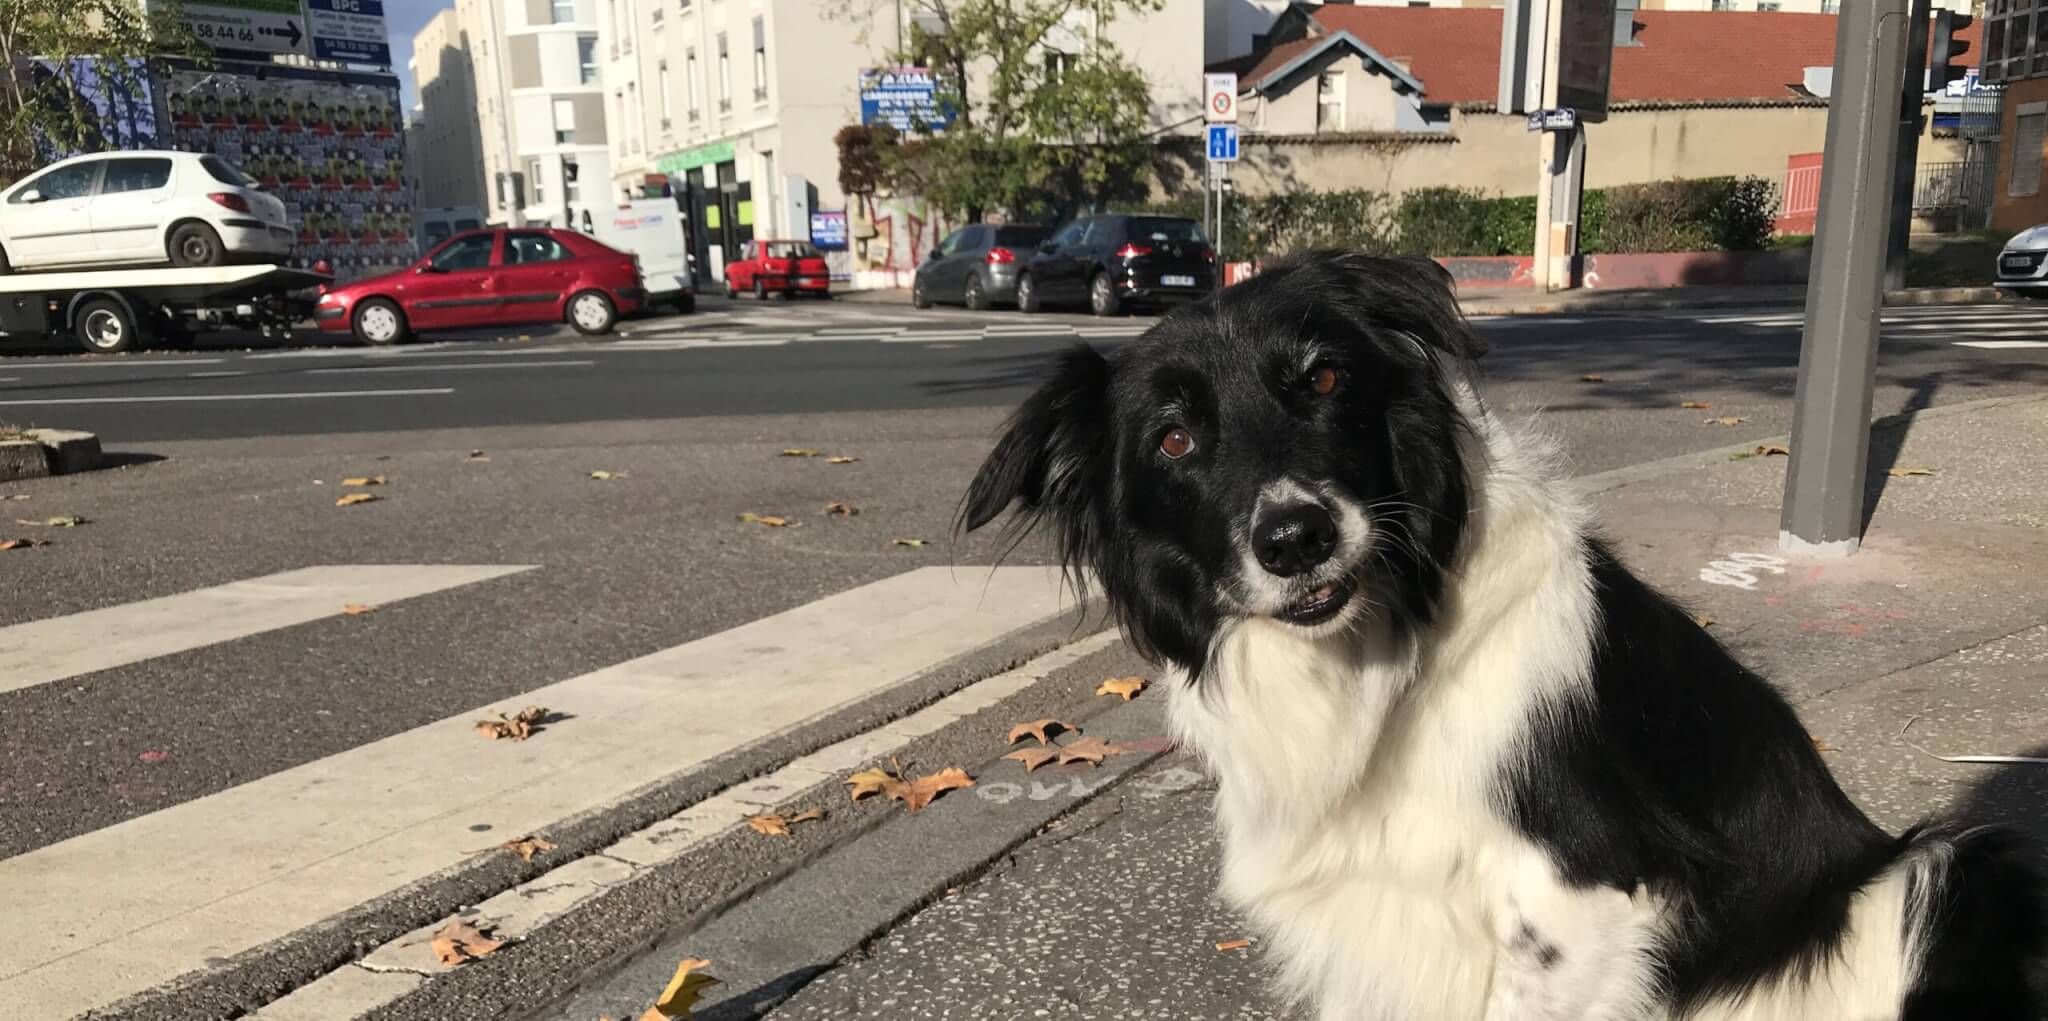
1625,23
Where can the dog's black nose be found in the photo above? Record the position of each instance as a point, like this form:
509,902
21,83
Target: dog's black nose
1291,540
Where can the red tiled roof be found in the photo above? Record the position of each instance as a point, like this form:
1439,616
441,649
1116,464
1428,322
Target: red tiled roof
1683,56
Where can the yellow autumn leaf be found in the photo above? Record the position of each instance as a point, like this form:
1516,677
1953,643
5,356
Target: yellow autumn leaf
355,498
684,989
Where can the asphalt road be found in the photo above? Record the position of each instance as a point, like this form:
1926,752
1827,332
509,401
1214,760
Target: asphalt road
232,469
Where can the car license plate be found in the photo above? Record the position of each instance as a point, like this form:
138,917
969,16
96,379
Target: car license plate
2018,261
1176,281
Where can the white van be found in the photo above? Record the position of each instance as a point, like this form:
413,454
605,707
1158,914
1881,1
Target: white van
653,230
430,227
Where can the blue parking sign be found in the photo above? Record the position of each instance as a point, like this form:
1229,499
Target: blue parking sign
1223,143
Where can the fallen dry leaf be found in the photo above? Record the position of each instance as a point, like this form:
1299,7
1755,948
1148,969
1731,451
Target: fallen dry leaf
60,521
869,781
841,459
1819,745
1032,758
771,521
527,847
841,508
912,543
682,993
358,609
1091,750
768,824
800,452
518,727
1703,620
1128,687
1043,730
477,456
154,756
915,794
606,476
459,942
364,480
8,544
355,498
1233,944
1724,420
1900,473
19,496
808,815
1593,377
1773,450
1695,405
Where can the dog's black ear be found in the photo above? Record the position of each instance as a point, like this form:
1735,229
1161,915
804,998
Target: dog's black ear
1051,450
1411,293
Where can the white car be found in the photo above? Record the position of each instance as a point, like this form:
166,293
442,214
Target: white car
2023,264
147,207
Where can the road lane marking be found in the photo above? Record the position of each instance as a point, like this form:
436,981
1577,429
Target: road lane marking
42,651
217,375
192,398
108,914
465,367
2003,345
139,363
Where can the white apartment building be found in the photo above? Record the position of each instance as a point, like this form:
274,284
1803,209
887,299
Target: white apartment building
733,105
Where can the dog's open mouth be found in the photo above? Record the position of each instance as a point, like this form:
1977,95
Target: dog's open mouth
1318,605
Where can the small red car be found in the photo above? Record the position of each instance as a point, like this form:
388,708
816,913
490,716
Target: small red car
786,267
495,277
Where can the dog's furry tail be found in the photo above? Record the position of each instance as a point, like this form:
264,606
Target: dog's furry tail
1976,924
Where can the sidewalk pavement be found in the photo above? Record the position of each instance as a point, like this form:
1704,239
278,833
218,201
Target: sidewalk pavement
1524,301
1932,640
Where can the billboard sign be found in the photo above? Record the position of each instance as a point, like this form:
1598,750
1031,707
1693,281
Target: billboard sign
349,31
1585,57
904,98
828,230
250,26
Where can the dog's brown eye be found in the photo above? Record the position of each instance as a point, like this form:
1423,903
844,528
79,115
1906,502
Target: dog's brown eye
1176,444
1323,381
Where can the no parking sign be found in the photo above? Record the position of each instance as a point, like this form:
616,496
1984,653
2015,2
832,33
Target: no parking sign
1219,98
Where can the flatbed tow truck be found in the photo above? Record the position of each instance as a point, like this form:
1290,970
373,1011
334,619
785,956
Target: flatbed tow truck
115,310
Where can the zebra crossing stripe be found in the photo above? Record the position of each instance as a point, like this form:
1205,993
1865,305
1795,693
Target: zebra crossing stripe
42,651
111,913
2003,345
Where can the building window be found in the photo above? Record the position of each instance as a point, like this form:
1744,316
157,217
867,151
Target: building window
1830,6
760,61
1330,101
1768,5
633,115
564,11
565,122
658,14
586,57
1057,64
690,80
2030,125
661,80
572,186
683,5
533,178
1724,5
724,76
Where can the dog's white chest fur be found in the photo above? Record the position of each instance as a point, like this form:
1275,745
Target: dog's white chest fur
1358,801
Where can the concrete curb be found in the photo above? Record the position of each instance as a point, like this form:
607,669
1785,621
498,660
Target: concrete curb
47,452
1576,302
1616,478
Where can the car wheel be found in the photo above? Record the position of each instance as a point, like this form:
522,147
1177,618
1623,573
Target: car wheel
379,322
592,313
731,292
760,290
1027,294
919,299
105,327
196,244
686,304
976,296
1102,297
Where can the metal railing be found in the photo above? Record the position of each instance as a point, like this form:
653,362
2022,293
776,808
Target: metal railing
1961,188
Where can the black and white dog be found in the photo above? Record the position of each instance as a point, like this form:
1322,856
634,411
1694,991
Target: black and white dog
1469,765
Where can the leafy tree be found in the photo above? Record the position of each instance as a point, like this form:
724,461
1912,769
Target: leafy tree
1035,129
71,72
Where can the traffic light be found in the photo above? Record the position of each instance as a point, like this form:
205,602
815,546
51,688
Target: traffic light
1945,62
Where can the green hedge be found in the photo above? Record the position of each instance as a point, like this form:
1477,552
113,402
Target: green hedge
1705,214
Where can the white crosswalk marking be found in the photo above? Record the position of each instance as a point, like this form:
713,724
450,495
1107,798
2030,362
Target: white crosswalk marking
1982,327
119,910
50,650
2003,345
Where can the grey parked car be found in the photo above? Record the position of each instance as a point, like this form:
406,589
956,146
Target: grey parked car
976,266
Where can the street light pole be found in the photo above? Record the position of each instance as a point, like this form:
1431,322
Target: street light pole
1823,512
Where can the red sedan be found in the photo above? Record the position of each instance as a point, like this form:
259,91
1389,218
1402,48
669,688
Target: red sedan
495,277
784,267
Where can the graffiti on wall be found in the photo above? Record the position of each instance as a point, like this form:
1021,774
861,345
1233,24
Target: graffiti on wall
896,232
332,151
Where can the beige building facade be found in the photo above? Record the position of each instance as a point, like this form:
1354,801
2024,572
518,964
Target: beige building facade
447,135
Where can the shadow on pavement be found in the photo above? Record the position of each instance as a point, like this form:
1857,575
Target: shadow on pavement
763,998
2016,795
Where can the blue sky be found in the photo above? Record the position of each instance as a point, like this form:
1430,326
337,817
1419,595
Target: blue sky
403,19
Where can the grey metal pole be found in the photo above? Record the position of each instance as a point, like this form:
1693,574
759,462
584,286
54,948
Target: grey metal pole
1823,512
1906,177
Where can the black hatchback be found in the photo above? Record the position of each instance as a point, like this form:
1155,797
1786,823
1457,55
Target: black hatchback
1119,260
